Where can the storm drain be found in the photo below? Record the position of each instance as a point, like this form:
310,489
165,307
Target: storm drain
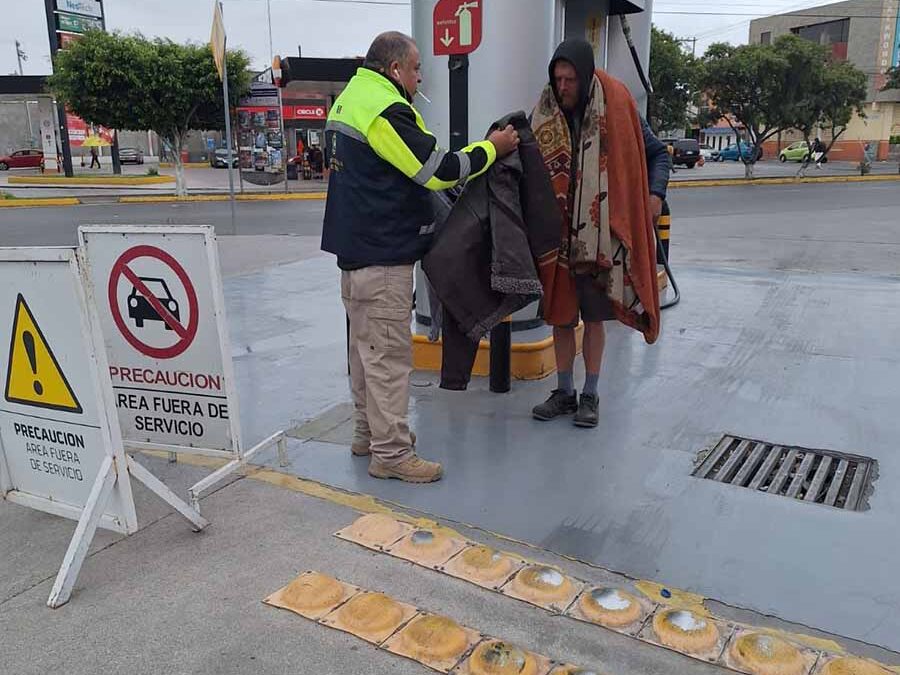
816,476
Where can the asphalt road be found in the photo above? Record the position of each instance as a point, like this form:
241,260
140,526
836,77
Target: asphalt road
815,227
59,226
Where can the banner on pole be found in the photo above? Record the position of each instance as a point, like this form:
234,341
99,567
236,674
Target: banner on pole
217,39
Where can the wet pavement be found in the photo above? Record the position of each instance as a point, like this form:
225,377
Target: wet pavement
790,356
786,333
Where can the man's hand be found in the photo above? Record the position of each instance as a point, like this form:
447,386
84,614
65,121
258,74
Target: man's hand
505,141
656,206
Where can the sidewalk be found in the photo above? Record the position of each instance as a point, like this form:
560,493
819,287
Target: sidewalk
772,168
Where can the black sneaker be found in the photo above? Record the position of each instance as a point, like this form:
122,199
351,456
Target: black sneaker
559,403
588,415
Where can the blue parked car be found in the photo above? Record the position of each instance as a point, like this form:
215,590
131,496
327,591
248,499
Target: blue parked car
731,152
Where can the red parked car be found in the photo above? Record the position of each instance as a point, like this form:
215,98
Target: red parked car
22,159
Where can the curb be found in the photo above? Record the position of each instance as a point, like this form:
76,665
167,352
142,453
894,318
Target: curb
186,165
167,199
89,180
788,180
26,203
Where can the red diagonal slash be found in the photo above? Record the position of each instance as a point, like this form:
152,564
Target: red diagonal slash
164,314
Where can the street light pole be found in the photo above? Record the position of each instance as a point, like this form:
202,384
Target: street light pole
50,11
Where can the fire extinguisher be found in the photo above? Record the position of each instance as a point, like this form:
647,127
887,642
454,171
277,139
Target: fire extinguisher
465,22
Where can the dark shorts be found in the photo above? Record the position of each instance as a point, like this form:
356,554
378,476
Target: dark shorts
594,306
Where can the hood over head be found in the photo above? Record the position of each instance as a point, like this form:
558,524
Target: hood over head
581,55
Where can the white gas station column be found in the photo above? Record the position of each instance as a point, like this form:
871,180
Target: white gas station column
508,71
599,22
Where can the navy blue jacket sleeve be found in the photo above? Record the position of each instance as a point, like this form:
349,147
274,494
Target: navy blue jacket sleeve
658,166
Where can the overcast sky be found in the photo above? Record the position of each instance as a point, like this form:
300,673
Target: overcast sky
331,28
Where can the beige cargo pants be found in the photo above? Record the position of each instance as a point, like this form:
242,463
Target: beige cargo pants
379,303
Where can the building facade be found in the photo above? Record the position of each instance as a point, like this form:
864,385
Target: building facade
867,34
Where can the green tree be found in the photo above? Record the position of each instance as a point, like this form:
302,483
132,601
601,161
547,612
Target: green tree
893,79
764,88
130,82
830,104
675,76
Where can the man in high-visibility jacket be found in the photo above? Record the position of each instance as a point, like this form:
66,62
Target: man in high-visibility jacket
379,222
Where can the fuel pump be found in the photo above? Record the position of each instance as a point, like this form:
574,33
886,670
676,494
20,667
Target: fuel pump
508,70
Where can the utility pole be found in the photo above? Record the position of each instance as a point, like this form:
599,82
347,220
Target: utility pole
693,42
22,56
50,10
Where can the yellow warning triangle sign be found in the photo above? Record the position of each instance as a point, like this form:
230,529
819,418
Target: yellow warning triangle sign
34,376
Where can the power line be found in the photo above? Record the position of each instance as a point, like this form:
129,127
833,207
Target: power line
836,17
798,6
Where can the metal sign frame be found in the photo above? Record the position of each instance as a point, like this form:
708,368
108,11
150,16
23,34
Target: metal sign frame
116,468
238,455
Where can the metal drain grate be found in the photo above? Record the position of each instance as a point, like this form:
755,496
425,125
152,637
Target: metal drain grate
815,476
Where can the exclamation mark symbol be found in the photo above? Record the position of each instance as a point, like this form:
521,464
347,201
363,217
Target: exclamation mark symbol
28,340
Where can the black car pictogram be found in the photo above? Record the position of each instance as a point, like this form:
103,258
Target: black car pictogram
140,309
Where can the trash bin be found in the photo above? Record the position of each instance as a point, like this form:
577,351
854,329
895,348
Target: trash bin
184,156
292,171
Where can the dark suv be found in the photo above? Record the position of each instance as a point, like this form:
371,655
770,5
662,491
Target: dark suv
140,309
686,151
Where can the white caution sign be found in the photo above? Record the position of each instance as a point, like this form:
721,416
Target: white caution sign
159,296
60,447
162,312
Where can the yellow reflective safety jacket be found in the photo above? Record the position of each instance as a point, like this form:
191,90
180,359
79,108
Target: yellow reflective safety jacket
383,163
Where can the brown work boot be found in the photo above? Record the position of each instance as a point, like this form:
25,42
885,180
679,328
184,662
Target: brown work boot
413,469
363,450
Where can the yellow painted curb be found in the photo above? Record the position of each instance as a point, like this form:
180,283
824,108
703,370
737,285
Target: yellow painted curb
367,504
62,181
530,360
788,180
55,201
291,196
164,199
186,165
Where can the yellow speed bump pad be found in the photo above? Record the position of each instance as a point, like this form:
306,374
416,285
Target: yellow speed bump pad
609,607
763,654
483,566
495,657
374,617
376,530
687,632
435,641
544,587
428,548
312,595
852,666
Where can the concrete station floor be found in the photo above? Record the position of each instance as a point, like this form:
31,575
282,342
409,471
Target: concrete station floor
764,345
